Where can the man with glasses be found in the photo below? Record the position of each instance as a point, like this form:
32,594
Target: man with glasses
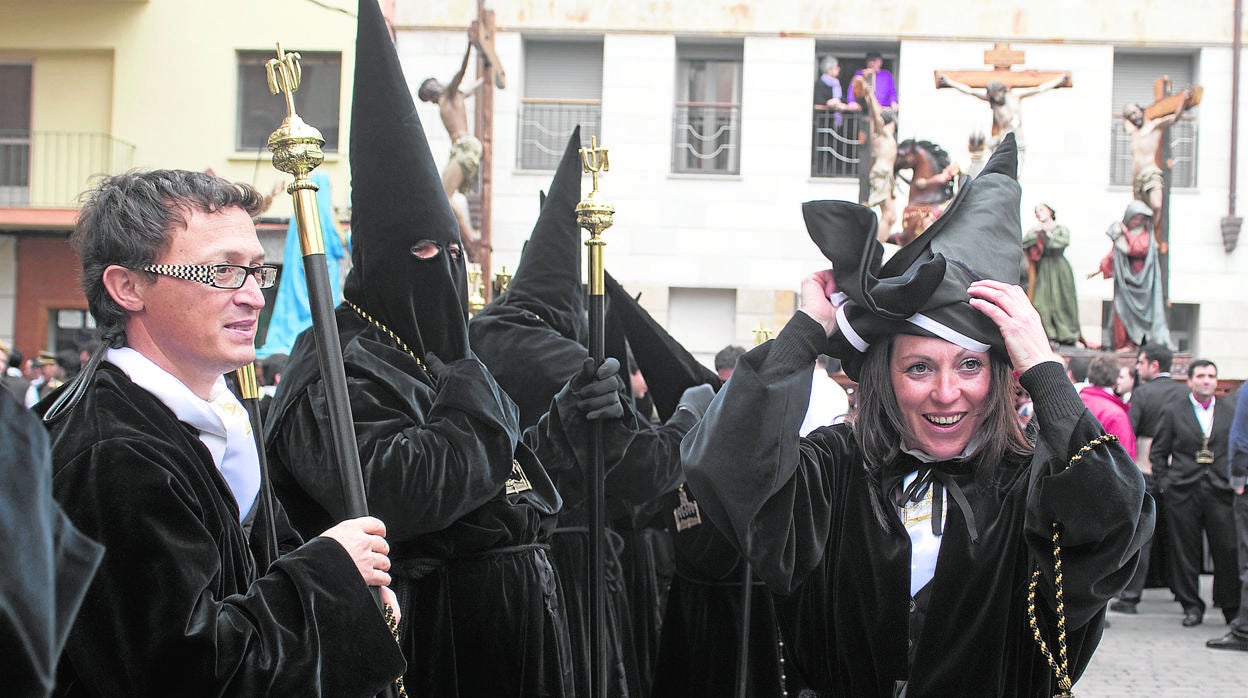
155,458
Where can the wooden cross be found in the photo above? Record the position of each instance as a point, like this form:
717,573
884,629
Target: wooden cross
482,37
1002,58
1165,105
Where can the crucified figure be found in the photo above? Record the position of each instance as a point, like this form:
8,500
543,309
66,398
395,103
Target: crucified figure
1006,104
1145,133
463,170
883,156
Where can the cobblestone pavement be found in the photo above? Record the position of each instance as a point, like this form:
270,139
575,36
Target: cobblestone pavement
1152,654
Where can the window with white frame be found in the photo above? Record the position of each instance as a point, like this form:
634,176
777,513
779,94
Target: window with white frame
1134,77
318,100
706,125
15,87
562,89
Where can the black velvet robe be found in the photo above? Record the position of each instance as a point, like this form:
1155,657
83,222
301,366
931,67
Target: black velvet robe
699,650
483,609
803,507
47,563
642,463
180,605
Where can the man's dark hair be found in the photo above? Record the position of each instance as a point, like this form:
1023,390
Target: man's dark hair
727,357
1078,367
16,359
429,90
274,364
873,54
1103,371
1201,363
126,220
1159,353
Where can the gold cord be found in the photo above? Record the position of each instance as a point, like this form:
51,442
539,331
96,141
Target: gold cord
393,624
397,340
1060,665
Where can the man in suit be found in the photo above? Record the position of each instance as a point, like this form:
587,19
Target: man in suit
1156,389
1190,456
1237,636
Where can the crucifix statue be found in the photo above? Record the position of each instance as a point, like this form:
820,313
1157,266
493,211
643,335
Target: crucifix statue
1003,88
470,157
1149,159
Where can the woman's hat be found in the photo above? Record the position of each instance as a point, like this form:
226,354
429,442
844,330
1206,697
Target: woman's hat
922,288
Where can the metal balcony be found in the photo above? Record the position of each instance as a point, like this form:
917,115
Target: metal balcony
50,169
837,145
544,127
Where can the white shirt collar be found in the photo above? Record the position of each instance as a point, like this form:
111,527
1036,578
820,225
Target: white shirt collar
222,422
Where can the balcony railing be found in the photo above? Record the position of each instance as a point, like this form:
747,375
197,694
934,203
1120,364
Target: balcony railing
50,169
706,138
545,125
837,145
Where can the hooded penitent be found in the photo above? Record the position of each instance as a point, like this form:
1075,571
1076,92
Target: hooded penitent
531,337
922,288
668,367
397,201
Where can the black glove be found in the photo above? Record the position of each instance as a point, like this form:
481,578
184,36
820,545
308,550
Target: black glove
597,391
696,399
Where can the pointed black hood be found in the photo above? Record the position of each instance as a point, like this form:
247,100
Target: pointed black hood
922,288
397,201
668,367
547,281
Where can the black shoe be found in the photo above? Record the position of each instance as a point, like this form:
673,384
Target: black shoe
1193,617
1123,607
1229,642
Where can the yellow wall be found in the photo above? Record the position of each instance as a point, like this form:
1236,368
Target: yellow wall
171,87
73,91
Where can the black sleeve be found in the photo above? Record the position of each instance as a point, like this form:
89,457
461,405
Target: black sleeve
152,621
1084,483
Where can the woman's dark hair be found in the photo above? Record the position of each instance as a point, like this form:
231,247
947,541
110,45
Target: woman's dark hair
126,220
879,426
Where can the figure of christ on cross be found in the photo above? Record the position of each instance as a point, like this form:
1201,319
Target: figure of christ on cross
1146,127
463,169
883,153
1004,90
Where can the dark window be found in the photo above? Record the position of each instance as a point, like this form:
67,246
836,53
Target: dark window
1134,75
706,126
562,89
317,100
15,85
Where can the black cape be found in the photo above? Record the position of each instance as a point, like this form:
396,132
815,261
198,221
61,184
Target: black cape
482,606
803,505
181,602
47,563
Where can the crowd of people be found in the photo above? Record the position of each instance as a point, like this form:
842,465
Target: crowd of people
921,541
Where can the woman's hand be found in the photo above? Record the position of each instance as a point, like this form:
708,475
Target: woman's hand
1009,308
816,289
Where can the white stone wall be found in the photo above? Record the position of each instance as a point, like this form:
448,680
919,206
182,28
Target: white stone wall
745,231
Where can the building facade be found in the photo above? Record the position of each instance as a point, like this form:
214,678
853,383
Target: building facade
91,87
706,109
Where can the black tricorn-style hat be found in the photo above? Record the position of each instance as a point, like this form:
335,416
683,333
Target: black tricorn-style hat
668,367
922,288
397,201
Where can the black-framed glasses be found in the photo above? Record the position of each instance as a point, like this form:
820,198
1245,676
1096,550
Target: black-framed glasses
231,276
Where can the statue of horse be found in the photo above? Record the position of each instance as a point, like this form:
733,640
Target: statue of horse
931,185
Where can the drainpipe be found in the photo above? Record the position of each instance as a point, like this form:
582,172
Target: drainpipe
1231,223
